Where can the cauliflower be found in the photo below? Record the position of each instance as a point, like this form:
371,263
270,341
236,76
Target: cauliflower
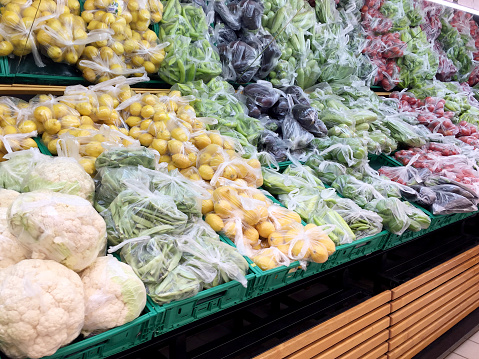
18,166
42,308
11,252
60,174
7,196
114,295
58,226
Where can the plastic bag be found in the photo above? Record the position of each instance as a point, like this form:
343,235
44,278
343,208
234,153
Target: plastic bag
327,171
17,115
122,156
152,258
270,258
419,219
362,222
393,212
149,53
109,283
307,117
76,245
240,61
347,151
361,193
137,212
450,202
60,174
16,168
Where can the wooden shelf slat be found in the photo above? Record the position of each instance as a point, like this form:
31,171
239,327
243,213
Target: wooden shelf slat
376,352
468,277
326,328
436,319
365,348
433,273
432,284
435,306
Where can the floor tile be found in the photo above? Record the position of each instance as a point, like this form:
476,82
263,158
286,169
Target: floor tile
468,349
475,337
454,356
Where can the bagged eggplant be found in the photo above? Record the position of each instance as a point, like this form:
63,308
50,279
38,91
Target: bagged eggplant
271,55
307,117
230,15
422,195
449,202
262,94
251,13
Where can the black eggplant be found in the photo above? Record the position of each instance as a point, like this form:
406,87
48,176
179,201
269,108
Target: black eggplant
242,58
453,189
448,203
253,110
251,14
271,55
307,117
272,143
263,96
280,109
298,95
425,196
224,34
230,15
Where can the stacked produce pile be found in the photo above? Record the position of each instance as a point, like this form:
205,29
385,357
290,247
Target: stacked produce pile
54,269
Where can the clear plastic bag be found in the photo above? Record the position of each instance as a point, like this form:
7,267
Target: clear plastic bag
76,244
137,211
109,283
394,213
16,168
152,258
327,171
60,174
362,222
361,193
270,258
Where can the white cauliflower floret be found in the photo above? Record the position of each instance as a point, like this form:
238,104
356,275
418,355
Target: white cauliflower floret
7,196
60,174
11,251
42,308
114,295
58,226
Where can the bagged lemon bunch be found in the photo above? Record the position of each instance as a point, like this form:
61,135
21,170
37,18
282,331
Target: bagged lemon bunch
104,64
218,164
63,39
144,49
16,116
86,145
12,142
55,116
21,21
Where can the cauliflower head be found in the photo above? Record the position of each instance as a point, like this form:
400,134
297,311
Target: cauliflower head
60,174
18,166
11,251
7,196
58,226
114,295
42,308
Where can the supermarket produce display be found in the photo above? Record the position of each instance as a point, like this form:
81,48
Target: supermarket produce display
268,158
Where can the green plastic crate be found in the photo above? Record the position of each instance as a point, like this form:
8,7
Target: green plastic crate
114,340
178,313
41,146
378,161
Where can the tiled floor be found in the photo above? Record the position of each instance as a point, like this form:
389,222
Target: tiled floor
467,350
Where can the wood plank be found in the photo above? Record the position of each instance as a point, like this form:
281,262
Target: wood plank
352,341
324,329
22,89
424,343
356,326
431,285
433,273
446,316
364,348
467,279
376,352
433,308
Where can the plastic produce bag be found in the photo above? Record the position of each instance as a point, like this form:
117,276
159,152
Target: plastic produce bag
109,283
34,219
450,202
419,219
270,258
121,157
152,258
393,212
17,167
327,171
347,151
360,192
139,212
240,61
362,222
180,283
295,134
307,117
214,262
60,174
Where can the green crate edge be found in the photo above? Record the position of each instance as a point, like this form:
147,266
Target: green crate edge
199,306
41,146
112,341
